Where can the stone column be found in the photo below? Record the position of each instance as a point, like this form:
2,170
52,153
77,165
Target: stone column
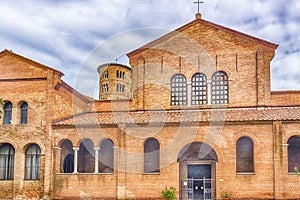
75,160
189,93
209,101
97,149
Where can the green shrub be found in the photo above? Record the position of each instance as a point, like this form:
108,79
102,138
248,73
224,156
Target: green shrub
169,193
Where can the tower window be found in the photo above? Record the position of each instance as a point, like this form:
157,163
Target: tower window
105,87
105,74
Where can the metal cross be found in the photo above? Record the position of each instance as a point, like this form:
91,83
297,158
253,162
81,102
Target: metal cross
198,2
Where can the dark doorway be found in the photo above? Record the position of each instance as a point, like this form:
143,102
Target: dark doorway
197,172
199,178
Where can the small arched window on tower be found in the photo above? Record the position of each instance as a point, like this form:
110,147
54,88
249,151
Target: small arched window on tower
219,90
105,87
105,74
7,109
24,112
199,89
118,74
244,155
151,156
293,154
178,90
32,163
7,155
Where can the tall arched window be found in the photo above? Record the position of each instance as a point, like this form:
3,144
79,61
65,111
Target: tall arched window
178,90
7,109
32,162
7,154
199,89
86,157
24,112
151,156
294,153
244,155
67,157
106,156
219,90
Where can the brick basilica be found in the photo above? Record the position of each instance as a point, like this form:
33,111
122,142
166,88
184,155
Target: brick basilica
194,110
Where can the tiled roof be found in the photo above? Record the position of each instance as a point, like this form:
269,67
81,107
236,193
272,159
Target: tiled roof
184,116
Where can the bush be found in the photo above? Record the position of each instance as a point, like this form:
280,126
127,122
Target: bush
169,193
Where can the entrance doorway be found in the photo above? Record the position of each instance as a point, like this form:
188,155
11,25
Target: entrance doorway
197,164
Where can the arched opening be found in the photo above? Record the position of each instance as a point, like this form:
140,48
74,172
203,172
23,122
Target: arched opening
23,112
244,155
86,157
151,156
7,155
106,156
32,163
7,115
293,154
67,157
197,171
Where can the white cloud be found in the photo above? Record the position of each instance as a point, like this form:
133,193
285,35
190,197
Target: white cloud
62,34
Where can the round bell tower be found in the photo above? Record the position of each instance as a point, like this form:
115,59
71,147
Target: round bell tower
115,81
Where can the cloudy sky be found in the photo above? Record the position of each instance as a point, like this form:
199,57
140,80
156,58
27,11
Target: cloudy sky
64,34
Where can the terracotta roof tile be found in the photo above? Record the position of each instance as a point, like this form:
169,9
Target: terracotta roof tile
184,116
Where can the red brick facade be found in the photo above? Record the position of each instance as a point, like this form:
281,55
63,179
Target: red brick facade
108,138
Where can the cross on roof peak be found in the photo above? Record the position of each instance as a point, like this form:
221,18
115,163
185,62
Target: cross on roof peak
198,2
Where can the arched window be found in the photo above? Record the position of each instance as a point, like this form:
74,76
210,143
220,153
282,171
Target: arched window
199,89
24,112
106,156
219,90
105,88
7,109
105,74
178,90
118,74
86,157
67,157
7,154
244,155
32,162
151,156
294,153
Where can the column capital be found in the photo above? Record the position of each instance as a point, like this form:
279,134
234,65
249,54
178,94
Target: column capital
76,149
56,148
96,148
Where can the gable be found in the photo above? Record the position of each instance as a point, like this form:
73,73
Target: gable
212,37
14,66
